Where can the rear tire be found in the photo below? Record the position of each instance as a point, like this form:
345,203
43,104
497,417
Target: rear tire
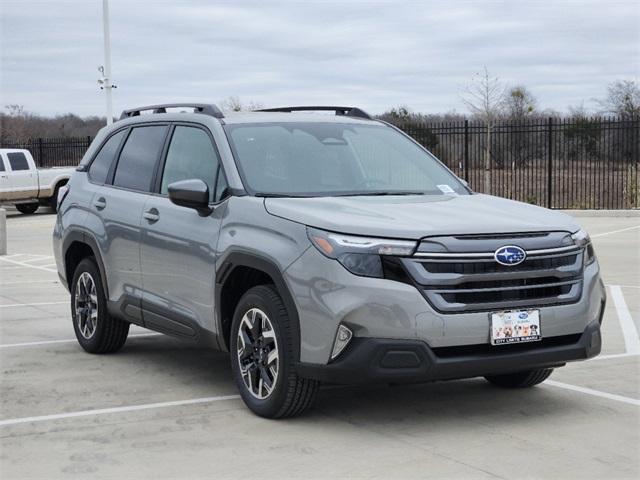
96,330
524,379
27,208
262,353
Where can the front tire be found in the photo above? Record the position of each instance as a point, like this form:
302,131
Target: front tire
262,357
27,208
524,379
96,330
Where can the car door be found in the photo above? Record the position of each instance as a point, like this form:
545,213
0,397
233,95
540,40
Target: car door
178,248
116,209
4,180
23,177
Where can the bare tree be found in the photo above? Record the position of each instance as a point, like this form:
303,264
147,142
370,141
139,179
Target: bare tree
519,103
485,97
234,104
623,99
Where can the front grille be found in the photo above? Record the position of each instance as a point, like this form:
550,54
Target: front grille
473,281
466,268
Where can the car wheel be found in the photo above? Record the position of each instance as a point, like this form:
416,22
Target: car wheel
96,330
262,357
27,208
525,379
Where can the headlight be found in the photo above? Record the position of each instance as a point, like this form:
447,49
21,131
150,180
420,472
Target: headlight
581,238
359,255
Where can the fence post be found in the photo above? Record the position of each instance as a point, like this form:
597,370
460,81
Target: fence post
549,163
40,157
466,150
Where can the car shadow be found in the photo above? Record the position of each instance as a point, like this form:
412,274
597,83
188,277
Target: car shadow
429,404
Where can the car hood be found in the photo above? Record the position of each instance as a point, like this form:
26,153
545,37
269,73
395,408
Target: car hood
414,217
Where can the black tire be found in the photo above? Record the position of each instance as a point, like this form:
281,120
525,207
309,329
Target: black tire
109,334
525,379
291,395
27,208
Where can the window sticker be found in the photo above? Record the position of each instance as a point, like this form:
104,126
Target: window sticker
446,189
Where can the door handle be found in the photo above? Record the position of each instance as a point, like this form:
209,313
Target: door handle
100,204
151,215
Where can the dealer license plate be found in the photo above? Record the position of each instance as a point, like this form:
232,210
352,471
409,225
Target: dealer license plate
515,326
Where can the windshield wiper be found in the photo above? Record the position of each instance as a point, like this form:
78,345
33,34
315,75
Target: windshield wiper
281,195
378,193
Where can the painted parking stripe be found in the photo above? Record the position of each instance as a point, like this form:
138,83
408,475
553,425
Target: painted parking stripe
595,393
16,305
629,331
615,355
105,411
69,340
614,231
23,264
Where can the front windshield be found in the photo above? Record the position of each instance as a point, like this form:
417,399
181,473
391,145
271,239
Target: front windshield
331,159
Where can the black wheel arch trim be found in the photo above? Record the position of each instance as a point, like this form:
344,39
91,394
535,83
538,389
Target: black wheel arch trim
239,258
83,237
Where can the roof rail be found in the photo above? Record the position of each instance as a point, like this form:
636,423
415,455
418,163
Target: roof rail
204,108
347,111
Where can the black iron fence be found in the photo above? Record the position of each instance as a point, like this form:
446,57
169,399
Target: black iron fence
54,152
589,163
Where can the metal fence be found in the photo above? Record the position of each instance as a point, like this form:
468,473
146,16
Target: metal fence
589,163
557,163
54,152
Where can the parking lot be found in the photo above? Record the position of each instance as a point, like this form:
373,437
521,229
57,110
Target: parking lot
162,408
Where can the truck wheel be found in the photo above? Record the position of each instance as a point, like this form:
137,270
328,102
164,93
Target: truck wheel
27,208
525,379
262,358
96,330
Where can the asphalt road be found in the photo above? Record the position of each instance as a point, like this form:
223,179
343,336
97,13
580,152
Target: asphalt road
163,409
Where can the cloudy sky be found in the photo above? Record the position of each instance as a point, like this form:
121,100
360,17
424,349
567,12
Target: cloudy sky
373,54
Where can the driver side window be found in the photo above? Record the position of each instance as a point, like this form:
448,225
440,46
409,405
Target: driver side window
191,155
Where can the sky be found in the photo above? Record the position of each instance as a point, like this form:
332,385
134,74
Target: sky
371,54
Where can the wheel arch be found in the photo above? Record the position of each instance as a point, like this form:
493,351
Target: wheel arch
76,246
252,270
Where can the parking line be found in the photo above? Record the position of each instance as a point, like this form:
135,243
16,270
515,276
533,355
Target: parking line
29,282
16,305
615,355
629,331
595,393
69,340
614,231
104,411
23,264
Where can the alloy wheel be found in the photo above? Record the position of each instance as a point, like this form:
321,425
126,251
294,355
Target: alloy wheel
86,305
258,353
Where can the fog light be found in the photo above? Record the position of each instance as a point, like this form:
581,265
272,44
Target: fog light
343,337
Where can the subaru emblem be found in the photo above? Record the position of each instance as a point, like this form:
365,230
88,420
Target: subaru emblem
509,255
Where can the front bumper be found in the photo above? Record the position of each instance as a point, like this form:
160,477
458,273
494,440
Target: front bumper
369,360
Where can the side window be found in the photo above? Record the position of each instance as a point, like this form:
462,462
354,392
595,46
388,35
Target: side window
138,158
1,164
18,161
101,164
191,155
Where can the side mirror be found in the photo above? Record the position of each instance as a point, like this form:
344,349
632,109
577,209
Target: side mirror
193,193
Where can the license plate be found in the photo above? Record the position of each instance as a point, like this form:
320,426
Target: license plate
515,326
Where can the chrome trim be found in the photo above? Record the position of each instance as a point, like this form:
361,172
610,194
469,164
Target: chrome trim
491,254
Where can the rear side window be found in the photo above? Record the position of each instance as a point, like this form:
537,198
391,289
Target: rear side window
18,161
138,158
100,166
191,155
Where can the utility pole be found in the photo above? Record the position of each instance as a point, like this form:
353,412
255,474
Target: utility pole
105,80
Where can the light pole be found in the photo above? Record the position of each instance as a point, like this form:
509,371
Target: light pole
105,80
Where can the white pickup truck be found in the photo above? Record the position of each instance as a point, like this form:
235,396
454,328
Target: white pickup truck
27,187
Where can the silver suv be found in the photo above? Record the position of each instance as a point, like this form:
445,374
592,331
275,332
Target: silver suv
317,247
